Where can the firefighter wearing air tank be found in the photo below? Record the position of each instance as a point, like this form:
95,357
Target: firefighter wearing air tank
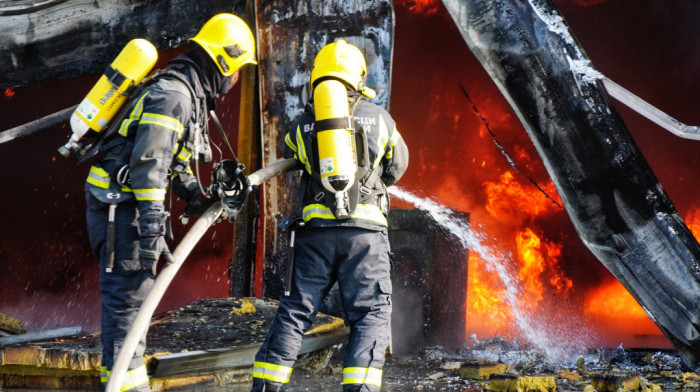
351,151
157,145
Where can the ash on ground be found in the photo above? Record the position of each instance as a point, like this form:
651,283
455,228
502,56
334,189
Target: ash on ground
500,365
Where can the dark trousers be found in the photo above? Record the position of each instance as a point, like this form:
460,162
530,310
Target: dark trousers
358,259
124,289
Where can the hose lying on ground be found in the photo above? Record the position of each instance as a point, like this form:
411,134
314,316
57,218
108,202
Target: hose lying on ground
166,275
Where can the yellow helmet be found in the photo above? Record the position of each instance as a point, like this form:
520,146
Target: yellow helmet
343,61
229,42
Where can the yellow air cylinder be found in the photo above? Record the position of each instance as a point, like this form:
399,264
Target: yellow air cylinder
107,97
336,142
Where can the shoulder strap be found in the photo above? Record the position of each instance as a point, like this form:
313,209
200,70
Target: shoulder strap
355,104
106,138
198,103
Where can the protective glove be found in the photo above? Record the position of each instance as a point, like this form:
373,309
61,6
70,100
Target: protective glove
150,250
198,204
232,186
152,243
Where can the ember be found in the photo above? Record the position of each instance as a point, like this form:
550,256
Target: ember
425,7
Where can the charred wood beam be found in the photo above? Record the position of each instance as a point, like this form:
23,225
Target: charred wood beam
244,228
616,203
210,361
36,125
62,39
43,335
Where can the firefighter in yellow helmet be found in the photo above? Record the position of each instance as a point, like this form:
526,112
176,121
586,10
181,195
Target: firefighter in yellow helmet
351,247
165,129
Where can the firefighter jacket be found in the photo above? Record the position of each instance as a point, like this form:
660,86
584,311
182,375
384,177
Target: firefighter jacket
388,157
155,142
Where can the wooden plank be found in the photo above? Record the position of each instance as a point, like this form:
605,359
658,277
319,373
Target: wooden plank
290,33
209,361
49,360
248,152
43,335
20,355
55,383
194,362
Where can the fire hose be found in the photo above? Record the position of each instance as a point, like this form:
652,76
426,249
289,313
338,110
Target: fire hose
232,206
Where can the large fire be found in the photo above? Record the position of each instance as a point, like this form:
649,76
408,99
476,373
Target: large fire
512,204
453,159
554,274
540,266
544,285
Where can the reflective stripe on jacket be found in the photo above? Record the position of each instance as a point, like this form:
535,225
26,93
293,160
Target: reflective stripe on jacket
386,150
156,125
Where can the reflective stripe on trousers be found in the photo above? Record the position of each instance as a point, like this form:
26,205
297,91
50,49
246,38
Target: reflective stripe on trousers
358,259
133,379
125,288
360,375
272,372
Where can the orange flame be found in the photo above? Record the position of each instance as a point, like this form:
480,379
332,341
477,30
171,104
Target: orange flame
9,93
509,201
539,273
613,300
539,258
423,7
486,313
693,222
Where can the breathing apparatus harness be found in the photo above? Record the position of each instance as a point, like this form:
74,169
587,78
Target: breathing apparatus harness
367,183
228,181
118,148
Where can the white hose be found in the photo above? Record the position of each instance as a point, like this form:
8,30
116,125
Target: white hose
166,275
652,113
